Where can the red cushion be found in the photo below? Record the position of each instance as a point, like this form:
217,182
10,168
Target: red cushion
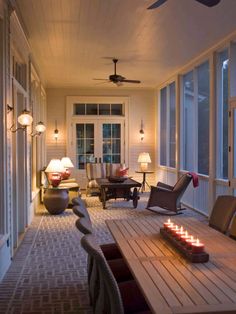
110,251
120,270
121,172
132,297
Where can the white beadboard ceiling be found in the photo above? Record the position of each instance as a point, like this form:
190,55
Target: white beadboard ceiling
73,41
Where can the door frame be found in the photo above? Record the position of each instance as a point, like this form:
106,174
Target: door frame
72,119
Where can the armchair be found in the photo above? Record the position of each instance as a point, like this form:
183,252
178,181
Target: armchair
168,197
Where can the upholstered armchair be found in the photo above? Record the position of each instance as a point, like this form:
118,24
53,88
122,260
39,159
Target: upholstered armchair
168,197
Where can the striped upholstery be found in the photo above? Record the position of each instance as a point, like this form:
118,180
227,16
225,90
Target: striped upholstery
95,171
112,169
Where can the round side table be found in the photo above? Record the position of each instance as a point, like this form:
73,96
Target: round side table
144,182
56,200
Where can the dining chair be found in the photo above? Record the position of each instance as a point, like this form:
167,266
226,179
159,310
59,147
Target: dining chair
168,197
222,212
232,230
109,295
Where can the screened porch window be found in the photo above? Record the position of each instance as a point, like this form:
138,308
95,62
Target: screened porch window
82,109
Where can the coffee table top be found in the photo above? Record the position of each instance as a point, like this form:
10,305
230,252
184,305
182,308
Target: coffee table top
128,183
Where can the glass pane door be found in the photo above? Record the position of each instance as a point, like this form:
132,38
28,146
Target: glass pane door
111,142
232,154
85,150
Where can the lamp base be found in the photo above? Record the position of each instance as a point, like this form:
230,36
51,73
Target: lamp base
55,179
144,166
66,174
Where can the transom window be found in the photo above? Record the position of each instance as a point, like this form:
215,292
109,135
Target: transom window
81,109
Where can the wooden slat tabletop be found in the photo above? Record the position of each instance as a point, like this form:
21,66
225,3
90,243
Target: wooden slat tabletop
169,282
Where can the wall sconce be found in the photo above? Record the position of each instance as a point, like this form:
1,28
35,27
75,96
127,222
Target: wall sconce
56,131
40,128
141,131
25,119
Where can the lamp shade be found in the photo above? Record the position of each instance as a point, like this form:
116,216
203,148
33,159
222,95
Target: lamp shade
40,127
67,163
25,118
55,165
144,157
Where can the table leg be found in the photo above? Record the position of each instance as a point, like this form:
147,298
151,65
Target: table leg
103,197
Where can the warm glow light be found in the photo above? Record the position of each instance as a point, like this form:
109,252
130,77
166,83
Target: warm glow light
144,159
40,127
55,165
67,163
25,119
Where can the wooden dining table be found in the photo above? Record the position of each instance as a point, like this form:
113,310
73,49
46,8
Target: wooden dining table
169,282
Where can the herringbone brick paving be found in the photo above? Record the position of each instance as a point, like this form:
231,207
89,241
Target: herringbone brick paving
48,271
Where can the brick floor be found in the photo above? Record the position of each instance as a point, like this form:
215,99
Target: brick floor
48,272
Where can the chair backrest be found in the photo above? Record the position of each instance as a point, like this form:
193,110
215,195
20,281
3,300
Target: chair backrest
107,296
222,212
95,170
111,169
182,184
232,230
84,225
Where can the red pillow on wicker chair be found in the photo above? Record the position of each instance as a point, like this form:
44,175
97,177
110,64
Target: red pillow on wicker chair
122,172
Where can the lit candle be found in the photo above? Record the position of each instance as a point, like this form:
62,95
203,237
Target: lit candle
197,247
185,237
189,242
168,224
180,232
174,230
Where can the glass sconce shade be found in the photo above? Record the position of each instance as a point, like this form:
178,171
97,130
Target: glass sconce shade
40,127
25,119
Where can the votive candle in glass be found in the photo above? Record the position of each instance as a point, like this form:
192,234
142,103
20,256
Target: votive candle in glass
197,247
168,224
180,232
185,237
189,242
174,230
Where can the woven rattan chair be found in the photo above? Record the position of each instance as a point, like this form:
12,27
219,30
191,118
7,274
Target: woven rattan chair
222,212
108,295
168,197
232,230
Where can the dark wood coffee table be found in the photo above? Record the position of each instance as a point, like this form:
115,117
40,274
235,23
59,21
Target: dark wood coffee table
110,190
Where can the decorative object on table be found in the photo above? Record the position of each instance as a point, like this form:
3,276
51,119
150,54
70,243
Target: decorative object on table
144,159
191,248
55,169
122,172
56,200
168,197
141,131
67,163
117,179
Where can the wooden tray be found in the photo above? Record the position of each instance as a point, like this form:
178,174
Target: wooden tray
202,257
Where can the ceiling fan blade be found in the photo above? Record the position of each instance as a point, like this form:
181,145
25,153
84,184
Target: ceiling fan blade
209,3
156,4
98,79
131,81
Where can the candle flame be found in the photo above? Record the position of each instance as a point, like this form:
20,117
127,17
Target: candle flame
168,221
197,241
192,238
181,229
186,233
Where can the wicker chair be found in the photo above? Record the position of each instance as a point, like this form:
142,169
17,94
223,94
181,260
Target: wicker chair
222,212
167,196
232,230
110,296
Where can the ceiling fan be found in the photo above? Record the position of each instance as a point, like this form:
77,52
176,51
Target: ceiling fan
208,3
116,78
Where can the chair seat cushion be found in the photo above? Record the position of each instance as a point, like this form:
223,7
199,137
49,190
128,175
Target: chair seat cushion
110,251
120,270
133,300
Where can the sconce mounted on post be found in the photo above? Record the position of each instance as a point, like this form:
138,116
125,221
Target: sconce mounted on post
25,119
141,131
40,128
56,131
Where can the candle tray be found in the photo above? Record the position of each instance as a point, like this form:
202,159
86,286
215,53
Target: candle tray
202,257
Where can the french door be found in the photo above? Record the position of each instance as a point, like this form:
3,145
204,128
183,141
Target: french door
97,141
232,150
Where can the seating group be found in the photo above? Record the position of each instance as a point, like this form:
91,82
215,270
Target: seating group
112,288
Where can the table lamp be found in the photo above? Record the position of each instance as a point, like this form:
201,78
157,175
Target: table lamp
55,169
67,163
144,159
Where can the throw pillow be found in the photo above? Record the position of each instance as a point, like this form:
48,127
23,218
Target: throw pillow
122,172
